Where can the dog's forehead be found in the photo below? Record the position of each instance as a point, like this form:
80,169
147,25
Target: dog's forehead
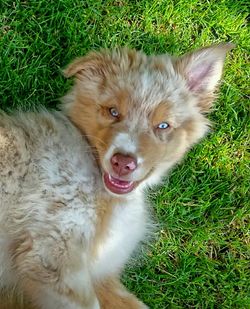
149,90
156,81
140,90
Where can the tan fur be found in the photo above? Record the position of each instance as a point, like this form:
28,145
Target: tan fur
64,235
113,295
10,300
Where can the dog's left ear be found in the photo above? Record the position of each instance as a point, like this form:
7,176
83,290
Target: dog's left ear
93,66
202,70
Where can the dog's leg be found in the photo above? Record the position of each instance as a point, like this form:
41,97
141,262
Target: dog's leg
113,295
53,273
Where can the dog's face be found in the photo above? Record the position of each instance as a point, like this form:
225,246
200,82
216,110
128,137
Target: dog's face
141,113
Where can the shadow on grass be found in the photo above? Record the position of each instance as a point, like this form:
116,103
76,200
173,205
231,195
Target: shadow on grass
41,83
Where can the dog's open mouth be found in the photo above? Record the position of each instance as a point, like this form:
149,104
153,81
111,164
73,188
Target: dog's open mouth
118,186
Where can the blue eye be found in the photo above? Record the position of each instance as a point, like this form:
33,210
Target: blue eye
163,125
113,112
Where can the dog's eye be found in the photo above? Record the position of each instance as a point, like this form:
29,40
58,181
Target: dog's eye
163,125
114,112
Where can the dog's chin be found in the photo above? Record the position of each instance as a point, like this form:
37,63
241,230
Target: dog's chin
118,186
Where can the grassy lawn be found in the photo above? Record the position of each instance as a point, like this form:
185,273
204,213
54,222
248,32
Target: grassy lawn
200,258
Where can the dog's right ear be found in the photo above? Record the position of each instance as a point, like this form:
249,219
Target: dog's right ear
202,70
94,66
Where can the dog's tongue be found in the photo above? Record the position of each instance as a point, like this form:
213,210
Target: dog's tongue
118,186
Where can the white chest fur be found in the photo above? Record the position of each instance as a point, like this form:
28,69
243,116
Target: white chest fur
126,228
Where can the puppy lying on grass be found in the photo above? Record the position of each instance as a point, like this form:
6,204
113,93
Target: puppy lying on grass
72,205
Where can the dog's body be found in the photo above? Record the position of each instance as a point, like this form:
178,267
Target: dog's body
71,186
53,201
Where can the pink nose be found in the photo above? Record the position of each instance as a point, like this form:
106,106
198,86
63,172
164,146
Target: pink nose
123,165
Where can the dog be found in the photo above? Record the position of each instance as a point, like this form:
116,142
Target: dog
72,182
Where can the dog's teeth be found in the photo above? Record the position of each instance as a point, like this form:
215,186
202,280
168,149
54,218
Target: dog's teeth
116,183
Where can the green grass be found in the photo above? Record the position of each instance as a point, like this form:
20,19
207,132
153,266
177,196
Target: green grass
200,258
